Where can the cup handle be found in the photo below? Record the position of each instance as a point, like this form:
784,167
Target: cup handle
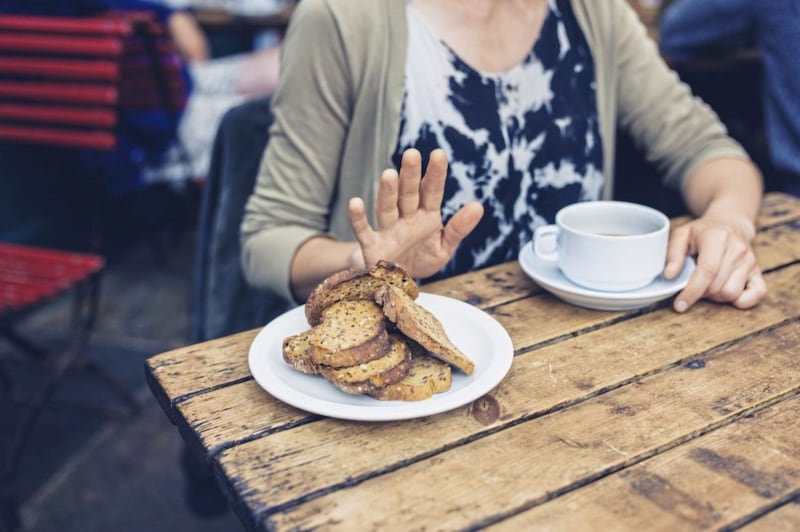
542,234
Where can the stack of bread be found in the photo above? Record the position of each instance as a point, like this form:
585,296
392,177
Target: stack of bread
369,336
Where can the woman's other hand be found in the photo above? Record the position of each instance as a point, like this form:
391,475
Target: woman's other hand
727,271
409,228
725,194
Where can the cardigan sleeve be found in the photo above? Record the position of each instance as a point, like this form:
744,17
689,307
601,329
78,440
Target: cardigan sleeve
677,131
297,177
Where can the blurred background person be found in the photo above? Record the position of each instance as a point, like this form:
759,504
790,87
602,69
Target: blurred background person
709,29
174,150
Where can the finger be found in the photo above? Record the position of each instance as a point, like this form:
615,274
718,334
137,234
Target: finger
733,287
358,221
432,190
735,258
677,251
754,292
386,212
357,259
708,265
460,225
410,177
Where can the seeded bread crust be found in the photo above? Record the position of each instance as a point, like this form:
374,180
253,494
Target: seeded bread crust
351,333
297,353
354,284
372,376
417,323
426,376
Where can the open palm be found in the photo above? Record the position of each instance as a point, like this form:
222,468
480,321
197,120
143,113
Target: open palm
409,228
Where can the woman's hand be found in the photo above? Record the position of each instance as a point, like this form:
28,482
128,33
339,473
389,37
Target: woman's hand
726,270
409,228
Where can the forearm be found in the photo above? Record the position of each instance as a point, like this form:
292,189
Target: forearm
728,187
188,37
316,259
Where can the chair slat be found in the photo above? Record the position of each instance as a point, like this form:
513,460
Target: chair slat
78,69
95,140
29,274
59,92
88,261
70,116
120,26
91,46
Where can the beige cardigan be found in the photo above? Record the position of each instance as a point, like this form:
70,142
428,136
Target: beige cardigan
337,117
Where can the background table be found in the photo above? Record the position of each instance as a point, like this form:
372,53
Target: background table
636,420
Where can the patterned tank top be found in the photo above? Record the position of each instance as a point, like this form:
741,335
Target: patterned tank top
524,142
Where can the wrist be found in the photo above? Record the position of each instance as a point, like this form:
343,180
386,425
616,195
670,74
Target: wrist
740,223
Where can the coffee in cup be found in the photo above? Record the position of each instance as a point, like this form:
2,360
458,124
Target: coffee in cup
606,245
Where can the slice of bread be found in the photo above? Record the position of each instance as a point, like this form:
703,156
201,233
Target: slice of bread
426,376
350,333
355,284
297,353
372,376
417,323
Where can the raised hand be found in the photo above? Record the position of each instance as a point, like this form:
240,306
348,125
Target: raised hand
409,228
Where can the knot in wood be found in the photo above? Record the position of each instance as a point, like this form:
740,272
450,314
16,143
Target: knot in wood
485,410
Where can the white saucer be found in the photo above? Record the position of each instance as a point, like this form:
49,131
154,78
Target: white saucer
548,276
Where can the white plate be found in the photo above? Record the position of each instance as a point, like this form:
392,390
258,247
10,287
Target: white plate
472,330
549,277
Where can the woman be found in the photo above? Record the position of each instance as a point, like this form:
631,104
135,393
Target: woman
524,96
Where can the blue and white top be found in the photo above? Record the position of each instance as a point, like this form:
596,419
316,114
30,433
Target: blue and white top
524,142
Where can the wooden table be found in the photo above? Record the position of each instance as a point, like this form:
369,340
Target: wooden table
641,420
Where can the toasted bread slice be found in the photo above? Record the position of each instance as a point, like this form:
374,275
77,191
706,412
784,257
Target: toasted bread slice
426,376
297,353
351,333
354,284
372,376
421,326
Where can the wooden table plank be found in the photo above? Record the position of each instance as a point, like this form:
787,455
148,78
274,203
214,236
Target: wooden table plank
778,246
488,287
481,481
201,367
632,348
785,518
235,414
712,481
778,208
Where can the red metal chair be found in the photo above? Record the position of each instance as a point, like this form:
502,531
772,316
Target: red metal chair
63,83
64,80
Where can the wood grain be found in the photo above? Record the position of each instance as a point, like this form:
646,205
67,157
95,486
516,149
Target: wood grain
627,420
711,481
178,373
785,518
496,476
555,374
504,290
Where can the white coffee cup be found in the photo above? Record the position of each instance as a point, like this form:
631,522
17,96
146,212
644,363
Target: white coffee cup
612,246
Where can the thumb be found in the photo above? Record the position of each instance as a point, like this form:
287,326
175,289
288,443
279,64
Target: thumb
461,224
